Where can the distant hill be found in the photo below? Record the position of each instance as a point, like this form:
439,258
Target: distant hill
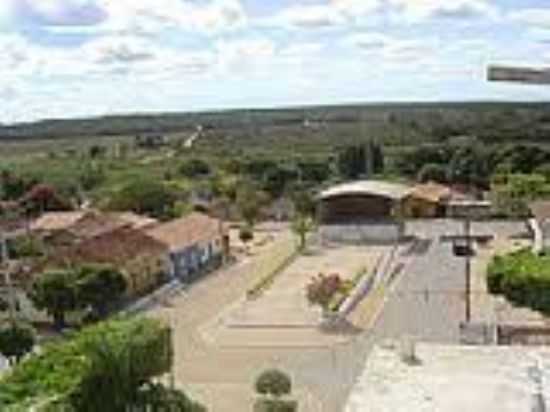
487,120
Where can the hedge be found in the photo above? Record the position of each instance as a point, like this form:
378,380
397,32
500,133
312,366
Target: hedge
275,405
523,278
64,369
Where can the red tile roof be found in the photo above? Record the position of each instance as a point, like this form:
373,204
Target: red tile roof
116,247
186,231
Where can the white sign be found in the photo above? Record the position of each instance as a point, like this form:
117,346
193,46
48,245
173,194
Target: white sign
518,74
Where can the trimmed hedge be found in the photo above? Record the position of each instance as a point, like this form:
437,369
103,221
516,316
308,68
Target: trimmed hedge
64,369
275,405
523,278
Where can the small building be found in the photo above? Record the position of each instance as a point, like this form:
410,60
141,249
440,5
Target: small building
366,210
427,200
196,243
140,257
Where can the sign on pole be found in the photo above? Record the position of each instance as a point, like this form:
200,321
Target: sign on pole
518,74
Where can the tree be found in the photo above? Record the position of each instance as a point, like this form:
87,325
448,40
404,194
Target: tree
16,340
112,366
144,195
352,161
56,292
13,186
100,286
432,172
194,167
91,176
469,165
250,201
377,158
304,202
42,198
301,226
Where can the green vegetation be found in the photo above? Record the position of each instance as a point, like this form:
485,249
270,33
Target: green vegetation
26,246
301,226
63,290
110,366
272,385
523,278
16,340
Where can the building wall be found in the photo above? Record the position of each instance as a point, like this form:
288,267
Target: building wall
378,231
193,260
420,208
345,209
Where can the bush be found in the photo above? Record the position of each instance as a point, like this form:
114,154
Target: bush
273,383
246,234
322,289
275,405
194,168
16,340
523,278
95,367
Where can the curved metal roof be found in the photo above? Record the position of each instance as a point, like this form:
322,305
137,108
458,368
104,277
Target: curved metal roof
394,191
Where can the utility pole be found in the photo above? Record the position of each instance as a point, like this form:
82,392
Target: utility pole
468,269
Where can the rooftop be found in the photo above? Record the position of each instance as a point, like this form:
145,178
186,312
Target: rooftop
51,221
394,191
431,192
451,379
114,247
186,231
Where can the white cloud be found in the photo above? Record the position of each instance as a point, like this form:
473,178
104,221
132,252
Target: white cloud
244,54
539,34
308,17
459,9
302,49
151,16
532,16
369,41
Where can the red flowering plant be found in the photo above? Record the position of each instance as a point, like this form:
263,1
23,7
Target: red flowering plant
322,288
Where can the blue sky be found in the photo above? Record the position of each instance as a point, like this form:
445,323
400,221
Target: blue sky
69,58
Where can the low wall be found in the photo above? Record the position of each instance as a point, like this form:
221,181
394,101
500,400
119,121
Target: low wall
378,231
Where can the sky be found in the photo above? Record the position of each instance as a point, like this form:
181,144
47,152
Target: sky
77,58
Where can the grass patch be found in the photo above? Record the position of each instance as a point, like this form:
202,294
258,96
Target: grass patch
270,265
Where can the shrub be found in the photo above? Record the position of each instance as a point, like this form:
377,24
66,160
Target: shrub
100,368
523,278
322,289
275,405
16,340
273,383
246,234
